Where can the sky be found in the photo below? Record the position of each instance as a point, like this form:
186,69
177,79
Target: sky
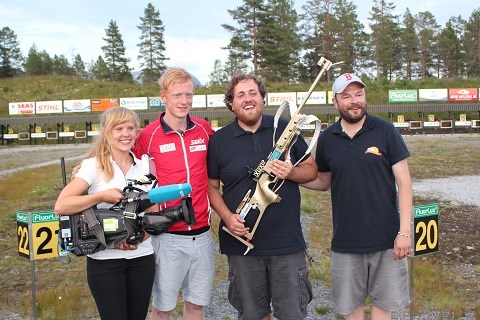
193,33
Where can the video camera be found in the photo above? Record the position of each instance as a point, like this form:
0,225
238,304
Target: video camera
97,229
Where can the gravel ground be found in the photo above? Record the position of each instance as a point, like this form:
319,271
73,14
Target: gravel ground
459,190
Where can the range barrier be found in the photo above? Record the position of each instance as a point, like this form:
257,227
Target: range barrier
457,121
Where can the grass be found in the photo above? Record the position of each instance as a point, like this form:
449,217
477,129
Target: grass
62,292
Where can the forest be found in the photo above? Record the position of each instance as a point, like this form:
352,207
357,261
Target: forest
271,39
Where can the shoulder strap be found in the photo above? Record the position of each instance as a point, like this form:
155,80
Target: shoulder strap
94,225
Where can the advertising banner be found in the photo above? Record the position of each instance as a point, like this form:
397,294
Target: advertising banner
215,100
155,103
199,101
276,98
136,103
433,94
317,97
104,104
463,94
77,106
21,108
402,96
42,107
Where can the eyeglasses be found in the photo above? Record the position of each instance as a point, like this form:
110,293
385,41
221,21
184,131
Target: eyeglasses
180,95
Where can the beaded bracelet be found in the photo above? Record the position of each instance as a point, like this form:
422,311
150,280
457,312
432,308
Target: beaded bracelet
404,235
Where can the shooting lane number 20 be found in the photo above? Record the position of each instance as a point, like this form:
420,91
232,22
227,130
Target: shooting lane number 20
425,220
44,235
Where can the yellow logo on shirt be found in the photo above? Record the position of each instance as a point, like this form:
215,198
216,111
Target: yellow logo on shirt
373,150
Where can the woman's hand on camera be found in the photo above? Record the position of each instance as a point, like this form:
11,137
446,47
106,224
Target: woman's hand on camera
125,246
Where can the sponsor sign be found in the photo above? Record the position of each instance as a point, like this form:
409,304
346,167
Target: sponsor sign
432,94
42,107
463,94
317,97
21,108
215,100
402,96
199,101
137,103
104,104
82,105
276,98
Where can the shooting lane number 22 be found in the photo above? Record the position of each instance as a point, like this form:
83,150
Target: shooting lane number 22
44,235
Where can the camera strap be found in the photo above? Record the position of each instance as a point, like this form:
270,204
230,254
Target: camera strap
95,226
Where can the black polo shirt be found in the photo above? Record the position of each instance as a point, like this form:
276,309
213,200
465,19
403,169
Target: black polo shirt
231,152
364,196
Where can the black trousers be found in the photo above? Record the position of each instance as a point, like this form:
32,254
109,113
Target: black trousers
121,287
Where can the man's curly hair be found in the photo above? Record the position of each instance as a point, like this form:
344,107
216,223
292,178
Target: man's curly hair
238,78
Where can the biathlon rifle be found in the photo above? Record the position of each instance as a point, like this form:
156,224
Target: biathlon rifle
265,191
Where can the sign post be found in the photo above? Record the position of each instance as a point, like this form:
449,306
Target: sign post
37,239
425,237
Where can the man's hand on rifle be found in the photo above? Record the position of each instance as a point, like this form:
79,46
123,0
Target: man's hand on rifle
281,169
236,225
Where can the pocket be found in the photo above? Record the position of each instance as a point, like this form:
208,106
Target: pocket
306,293
233,294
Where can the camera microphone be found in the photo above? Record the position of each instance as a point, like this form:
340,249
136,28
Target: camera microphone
168,192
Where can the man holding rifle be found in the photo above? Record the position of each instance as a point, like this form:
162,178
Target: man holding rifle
274,273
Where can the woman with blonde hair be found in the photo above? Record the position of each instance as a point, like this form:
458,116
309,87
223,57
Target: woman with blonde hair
120,279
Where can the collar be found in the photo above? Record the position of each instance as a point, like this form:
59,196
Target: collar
131,155
367,125
267,122
166,128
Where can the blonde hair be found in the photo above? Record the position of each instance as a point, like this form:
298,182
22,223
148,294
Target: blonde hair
101,148
173,75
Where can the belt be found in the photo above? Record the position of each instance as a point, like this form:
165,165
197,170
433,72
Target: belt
194,232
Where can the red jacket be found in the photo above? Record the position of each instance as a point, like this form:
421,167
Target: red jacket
180,158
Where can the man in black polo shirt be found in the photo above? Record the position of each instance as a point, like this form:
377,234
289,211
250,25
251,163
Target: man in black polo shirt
364,160
274,273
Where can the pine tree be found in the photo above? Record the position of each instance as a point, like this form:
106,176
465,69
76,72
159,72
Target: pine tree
350,39
152,45
79,66
450,49
278,42
384,39
99,69
114,51
234,66
218,76
61,66
427,29
409,42
332,29
244,41
10,54
38,62
471,41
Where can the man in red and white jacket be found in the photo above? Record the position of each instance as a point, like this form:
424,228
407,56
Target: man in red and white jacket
184,254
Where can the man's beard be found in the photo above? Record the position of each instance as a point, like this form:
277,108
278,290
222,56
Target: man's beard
250,119
346,116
